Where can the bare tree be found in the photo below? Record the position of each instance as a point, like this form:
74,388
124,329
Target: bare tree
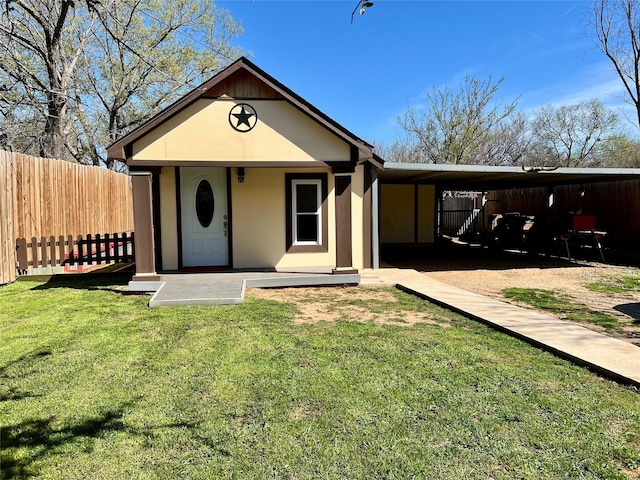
567,135
617,31
75,75
619,151
403,149
40,44
458,126
142,58
509,142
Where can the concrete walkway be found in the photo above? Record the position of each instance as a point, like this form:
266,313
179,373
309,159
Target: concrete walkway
611,357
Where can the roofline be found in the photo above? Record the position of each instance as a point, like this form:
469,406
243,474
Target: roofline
441,167
117,149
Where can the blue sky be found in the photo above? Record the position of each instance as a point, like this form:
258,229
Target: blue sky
364,74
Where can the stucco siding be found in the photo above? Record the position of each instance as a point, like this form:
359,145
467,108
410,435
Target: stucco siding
259,223
401,206
168,219
397,215
202,132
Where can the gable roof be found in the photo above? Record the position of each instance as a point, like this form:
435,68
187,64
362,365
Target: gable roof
214,88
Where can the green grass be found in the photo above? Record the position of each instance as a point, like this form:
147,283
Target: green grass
625,284
94,385
562,306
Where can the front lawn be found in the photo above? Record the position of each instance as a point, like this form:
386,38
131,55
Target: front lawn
623,284
563,306
94,385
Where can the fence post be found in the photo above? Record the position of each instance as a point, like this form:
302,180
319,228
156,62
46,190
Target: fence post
23,265
43,251
71,250
34,252
61,250
126,241
81,258
98,250
116,243
89,244
107,247
52,251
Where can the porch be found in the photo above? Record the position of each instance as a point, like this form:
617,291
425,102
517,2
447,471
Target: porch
227,288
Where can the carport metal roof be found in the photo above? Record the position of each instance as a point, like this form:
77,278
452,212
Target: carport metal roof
483,177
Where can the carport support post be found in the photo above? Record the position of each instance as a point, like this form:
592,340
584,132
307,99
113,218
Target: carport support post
143,225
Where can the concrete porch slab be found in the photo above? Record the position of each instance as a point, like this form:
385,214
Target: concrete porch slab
228,288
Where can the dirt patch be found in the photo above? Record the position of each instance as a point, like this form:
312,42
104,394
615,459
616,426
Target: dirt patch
305,410
354,304
570,280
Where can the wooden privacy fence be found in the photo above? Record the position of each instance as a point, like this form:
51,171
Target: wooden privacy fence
75,255
41,197
616,206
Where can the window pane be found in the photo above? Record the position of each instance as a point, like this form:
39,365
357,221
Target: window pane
204,203
307,228
306,198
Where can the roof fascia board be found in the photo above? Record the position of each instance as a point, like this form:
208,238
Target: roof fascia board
441,167
118,146
365,150
117,149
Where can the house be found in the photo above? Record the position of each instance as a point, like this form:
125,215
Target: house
243,173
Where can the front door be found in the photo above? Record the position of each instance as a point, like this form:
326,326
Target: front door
203,203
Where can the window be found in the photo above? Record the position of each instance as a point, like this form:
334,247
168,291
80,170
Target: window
204,203
306,212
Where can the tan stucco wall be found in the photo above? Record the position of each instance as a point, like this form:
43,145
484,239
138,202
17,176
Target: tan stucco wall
168,219
397,214
259,223
202,132
426,213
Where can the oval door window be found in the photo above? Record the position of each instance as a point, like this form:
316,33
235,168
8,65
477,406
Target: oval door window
204,203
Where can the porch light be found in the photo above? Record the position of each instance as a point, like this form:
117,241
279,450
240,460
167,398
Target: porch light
240,174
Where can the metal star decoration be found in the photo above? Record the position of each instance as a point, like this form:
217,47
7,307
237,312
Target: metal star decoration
243,117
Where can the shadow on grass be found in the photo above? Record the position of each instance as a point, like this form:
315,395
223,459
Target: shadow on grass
83,281
6,393
631,309
42,438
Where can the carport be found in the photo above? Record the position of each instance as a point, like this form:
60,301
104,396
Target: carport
409,210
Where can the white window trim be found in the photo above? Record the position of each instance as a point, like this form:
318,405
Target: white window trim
294,210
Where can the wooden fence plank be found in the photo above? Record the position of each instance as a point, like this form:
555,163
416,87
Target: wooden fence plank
43,252
52,251
7,250
34,252
107,240
61,250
